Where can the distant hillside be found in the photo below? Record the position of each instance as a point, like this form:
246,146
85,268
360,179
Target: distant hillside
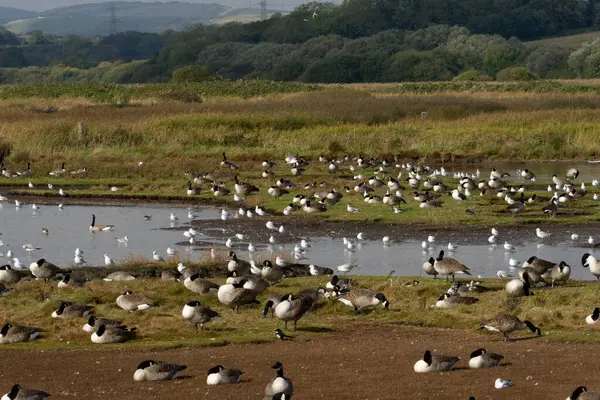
570,41
93,19
9,14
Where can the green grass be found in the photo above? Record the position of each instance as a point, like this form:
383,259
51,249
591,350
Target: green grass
560,312
569,41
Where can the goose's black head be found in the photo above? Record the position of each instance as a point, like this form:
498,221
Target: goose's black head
584,260
577,392
441,256
427,357
5,329
145,364
101,329
216,370
14,391
478,352
194,303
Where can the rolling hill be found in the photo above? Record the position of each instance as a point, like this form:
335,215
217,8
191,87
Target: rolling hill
9,14
94,19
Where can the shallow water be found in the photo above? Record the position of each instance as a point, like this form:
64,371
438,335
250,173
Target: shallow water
69,228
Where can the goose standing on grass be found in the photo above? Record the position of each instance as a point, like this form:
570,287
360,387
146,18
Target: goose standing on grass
518,288
68,310
228,164
363,298
113,334
290,308
428,267
507,323
480,358
582,393
559,273
593,317
99,228
42,269
435,363
220,375
197,314
589,261
449,266
17,392
235,295
25,172
94,322
150,370
129,301
243,188
18,334
280,383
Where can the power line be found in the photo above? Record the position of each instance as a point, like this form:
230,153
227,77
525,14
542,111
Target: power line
263,10
113,19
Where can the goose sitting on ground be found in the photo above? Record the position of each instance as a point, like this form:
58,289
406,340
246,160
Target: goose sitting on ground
17,334
435,363
449,266
119,276
480,358
99,228
582,393
134,302
17,392
447,301
68,310
197,314
199,285
113,334
220,375
363,298
507,323
150,370
280,383
593,317
9,275
94,322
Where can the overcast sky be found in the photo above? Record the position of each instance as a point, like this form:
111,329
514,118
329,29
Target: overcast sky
43,5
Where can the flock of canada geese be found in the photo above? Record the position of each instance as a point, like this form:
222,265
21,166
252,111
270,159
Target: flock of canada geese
246,280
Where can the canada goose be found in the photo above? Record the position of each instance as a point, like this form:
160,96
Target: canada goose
119,276
58,171
364,298
191,191
254,283
25,172
236,295
220,191
589,261
310,207
519,287
268,164
527,174
290,308
538,264
507,323
150,370
195,313
534,277
243,188
480,358
99,228
581,393
42,269
170,275
428,267
449,266
228,164
572,173
199,285
94,322
134,302
235,264
272,273
517,206
280,383
9,275
220,375
552,208
17,392
17,334
68,281
68,310
277,192
112,334
447,301
558,273
435,363
593,317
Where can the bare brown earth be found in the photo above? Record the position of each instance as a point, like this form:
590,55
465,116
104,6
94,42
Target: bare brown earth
366,362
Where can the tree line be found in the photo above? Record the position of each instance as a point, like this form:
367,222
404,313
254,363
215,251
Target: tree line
357,41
